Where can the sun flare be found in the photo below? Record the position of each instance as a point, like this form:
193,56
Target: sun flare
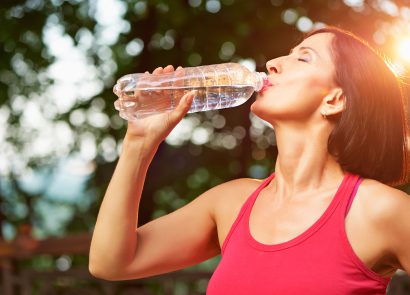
403,50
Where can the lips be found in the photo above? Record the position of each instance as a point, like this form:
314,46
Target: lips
266,85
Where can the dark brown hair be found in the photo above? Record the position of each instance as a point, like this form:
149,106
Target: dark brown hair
370,137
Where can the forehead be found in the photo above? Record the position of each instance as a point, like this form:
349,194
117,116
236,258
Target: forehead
322,43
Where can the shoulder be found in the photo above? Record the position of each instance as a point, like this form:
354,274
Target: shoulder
387,211
235,189
382,201
231,195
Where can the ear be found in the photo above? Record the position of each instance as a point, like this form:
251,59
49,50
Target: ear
334,102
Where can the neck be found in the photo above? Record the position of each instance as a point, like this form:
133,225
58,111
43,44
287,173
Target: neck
304,164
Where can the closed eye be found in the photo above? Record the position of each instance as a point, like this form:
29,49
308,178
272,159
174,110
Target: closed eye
305,57
305,51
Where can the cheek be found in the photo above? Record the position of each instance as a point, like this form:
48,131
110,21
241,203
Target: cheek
305,87
296,100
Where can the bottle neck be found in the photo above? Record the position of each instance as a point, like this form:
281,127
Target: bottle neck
261,79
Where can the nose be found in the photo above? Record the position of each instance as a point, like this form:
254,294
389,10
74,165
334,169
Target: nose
273,66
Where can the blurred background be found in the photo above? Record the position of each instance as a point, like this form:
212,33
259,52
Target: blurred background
60,134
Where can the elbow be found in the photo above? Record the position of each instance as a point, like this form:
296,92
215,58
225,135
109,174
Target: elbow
99,268
97,272
102,275
102,268
109,273
100,272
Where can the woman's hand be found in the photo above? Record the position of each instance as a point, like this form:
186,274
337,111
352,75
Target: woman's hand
152,130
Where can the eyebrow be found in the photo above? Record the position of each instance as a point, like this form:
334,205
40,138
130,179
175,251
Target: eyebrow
306,47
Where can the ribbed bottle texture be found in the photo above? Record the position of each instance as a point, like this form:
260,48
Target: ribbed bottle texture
217,87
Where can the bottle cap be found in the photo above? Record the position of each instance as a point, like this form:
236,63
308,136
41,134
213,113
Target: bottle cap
261,81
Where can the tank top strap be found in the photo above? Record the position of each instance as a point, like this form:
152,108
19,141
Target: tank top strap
255,194
352,186
249,201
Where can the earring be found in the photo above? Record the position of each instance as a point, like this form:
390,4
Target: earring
324,115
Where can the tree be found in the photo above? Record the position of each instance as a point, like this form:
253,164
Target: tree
46,118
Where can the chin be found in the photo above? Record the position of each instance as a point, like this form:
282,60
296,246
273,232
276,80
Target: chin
260,112
252,107
259,108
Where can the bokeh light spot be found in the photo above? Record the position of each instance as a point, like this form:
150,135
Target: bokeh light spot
194,3
227,50
304,24
213,6
194,59
289,16
134,47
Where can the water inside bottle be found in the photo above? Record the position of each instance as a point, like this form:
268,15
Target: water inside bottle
149,101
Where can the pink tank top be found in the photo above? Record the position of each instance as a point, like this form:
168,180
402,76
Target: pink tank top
320,261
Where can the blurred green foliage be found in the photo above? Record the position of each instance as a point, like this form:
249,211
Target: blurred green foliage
135,36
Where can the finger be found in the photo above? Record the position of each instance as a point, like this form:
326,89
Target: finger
180,72
158,70
168,68
141,83
179,68
183,106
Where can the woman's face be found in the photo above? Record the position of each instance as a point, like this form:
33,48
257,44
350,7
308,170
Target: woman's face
300,81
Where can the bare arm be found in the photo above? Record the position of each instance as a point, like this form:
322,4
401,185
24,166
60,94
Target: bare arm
187,236
397,225
182,238
114,240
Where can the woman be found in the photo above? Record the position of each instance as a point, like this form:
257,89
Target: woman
326,222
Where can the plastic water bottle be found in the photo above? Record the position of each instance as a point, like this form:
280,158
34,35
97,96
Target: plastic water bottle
217,86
